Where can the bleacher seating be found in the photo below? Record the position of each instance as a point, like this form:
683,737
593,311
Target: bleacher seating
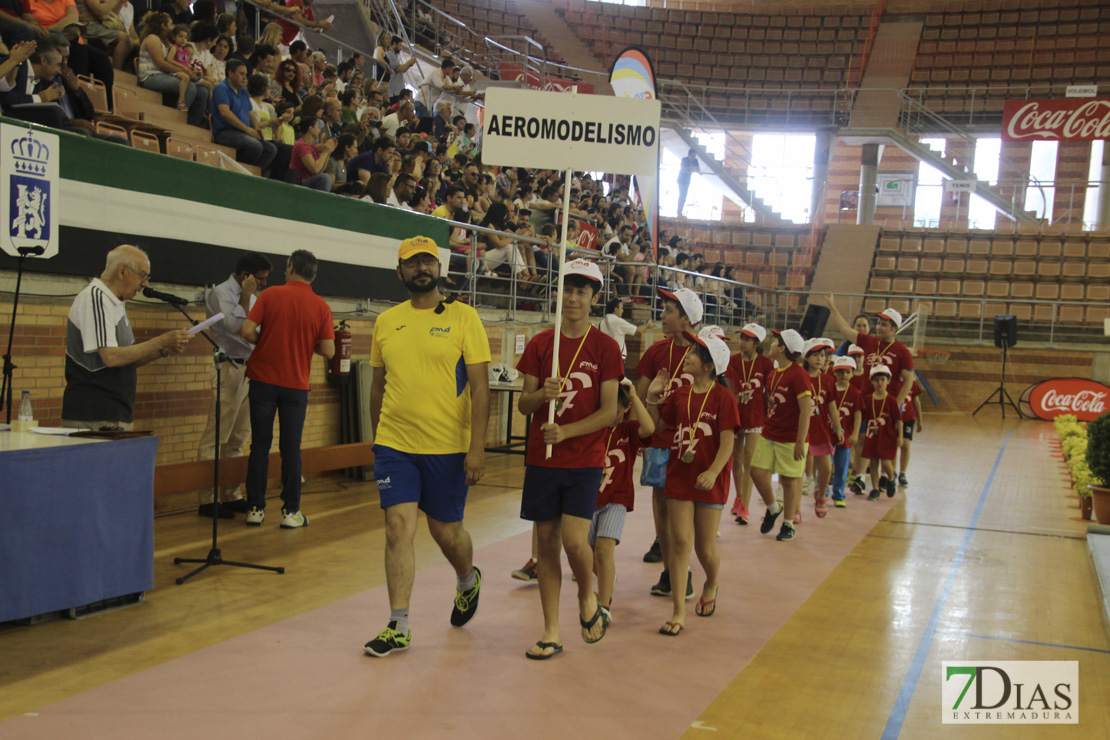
494,18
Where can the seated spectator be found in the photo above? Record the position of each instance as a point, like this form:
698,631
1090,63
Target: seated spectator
220,53
310,159
377,189
270,36
231,122
179,12
350,100
160,73
316,67
441,124
62,16
286,134
243,49
265,119
103,27
377,159
288,77
13,28
345,149
203,37
227,25
204,11
332,116
420,202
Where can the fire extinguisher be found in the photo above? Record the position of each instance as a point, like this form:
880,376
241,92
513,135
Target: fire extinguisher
340,366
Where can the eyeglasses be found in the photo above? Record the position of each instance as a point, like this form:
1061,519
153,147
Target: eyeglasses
419,260
143,276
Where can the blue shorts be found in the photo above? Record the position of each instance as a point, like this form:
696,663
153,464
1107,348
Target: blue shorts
437,483
549,493
654,472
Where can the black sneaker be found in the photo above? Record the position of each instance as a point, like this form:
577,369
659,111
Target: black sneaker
654,555
466,602
689,585
891,488
663,588
902,480
209,510
874,494
786,533
388,641
741,520
883,482
857,486
769,520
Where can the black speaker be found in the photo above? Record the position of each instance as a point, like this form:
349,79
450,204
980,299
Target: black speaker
813,323
1005,331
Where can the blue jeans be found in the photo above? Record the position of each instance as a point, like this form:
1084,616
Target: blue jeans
842,458
289,404
321,181
250,149
196,97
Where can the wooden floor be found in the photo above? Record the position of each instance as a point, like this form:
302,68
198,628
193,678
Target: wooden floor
984,558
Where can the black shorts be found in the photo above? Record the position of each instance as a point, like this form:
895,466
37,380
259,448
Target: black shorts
549,493
907,429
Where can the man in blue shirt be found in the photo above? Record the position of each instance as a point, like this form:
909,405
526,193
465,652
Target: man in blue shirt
231,123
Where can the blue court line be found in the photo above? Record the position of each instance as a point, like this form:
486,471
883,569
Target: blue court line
957,633
897,717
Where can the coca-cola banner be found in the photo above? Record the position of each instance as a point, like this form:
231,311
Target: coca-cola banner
1086,399
1061,119
515,73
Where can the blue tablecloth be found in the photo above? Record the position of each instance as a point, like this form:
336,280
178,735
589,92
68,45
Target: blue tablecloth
76,525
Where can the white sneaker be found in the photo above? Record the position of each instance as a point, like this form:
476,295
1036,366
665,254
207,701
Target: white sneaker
809,485
255,516
292,519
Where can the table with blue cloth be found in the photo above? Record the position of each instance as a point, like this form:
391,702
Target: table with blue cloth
78,521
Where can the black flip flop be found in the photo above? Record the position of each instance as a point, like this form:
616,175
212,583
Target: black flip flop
544,646
599,614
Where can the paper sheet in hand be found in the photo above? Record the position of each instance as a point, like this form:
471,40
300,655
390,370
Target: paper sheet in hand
206,323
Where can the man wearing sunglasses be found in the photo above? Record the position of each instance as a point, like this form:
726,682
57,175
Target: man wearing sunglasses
102,358
429,406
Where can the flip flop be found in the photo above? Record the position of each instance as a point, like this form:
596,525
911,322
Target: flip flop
708,608
587,626
665,631
556,649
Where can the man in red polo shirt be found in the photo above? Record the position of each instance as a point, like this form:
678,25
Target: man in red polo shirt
287,325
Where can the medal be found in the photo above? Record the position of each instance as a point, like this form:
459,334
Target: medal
688,456
558,404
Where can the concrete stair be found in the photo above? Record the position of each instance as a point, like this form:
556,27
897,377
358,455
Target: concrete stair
549,23
844,264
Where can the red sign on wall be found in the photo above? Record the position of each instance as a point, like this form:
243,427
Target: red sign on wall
1086,399
515,73
1063,119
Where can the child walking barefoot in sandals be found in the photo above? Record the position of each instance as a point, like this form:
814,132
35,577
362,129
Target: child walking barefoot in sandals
705,418
747,375
824,428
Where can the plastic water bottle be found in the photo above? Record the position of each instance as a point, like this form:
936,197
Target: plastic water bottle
25,412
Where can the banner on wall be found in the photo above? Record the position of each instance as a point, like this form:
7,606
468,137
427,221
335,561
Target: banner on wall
516,73
1060,119
895,189
633,76
1085,398
29,202
560,131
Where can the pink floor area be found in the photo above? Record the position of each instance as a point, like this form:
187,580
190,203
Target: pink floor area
307,677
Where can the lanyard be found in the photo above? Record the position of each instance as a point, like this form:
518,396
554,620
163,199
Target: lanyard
777,375
680,361
608,442
693,421
875,414
747,375
573,359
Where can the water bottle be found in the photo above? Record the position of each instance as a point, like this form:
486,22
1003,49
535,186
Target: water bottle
25,413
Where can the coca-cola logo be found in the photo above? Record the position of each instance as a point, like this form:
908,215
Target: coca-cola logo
1086,399
1068,119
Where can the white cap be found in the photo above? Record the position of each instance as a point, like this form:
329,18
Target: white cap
689,301
893,315
792,339
586,269
855,349
755,331
880,370
844,363
714,330
812,345
827,343
711,338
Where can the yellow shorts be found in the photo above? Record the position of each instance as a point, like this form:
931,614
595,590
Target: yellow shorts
778,457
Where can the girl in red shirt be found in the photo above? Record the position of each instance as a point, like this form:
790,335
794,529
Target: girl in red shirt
705,418
824,428
747,375
882,422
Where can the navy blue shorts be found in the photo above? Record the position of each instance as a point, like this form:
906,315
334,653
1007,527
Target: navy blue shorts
436,482
549,493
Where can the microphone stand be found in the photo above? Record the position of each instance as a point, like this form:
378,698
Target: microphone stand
214,556
9,367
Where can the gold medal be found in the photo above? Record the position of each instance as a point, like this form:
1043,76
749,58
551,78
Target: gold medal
558,404
688,456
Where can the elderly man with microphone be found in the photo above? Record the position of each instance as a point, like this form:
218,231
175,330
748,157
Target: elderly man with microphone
102,358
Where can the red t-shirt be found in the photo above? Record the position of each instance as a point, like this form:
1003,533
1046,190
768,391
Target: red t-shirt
748,380
599,360
894,355
664,355
288,30
784,388
718,415
301,148
862,383
909,411
847,403
622,443
881,419
292,319
820,429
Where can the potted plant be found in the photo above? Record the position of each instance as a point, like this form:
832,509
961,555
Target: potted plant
1082,478
1098,461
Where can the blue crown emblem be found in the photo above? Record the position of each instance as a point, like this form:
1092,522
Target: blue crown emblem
31,156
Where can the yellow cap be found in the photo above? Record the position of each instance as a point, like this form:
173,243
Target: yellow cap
417,245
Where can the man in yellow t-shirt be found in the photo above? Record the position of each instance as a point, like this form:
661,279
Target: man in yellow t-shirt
429,406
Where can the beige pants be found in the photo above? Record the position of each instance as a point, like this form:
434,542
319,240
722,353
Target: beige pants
94,426
235,424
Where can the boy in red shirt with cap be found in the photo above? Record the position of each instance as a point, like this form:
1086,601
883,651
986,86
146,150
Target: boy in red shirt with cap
883,436
848,404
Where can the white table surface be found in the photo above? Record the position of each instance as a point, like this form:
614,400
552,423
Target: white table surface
13,441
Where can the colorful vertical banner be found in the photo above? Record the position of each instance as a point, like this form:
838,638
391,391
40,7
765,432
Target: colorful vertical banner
633,76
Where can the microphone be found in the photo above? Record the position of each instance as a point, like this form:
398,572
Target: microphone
159,295
31,251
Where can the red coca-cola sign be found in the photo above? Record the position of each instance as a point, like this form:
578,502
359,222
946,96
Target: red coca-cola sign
1063,119
1085,399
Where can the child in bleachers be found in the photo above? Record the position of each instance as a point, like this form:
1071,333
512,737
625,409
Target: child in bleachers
911,422
180,53
883,435
824,428
848,403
